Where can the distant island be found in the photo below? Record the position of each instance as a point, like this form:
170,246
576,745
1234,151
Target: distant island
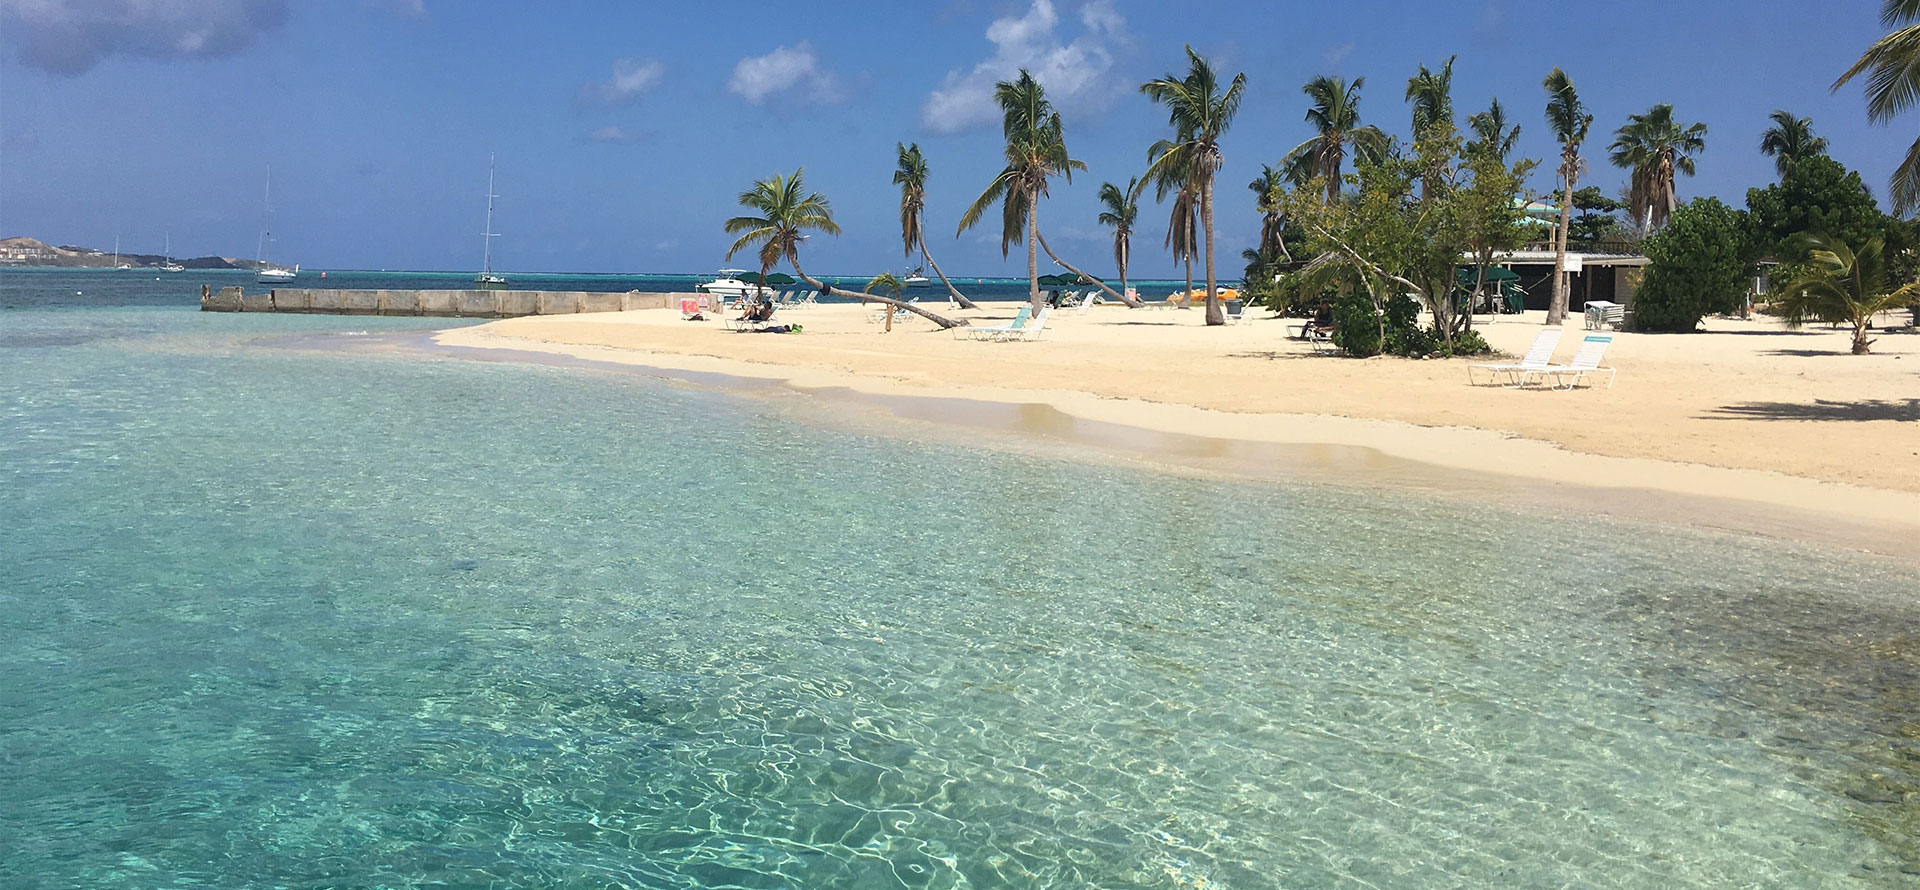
22,251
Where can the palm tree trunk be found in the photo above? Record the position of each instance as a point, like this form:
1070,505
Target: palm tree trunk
1482,260
1033,256
1189,291
1076,270
1862,345
914,308
1557,307
953,292
1126,249
1215,315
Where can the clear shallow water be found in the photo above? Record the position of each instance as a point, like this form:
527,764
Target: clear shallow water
299,620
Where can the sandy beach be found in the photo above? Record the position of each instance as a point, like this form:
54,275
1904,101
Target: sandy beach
1749,412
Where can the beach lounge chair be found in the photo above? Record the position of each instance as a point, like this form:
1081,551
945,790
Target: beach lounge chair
989,332
880,314
1034,329
1602,313
1237,313
690,308
1585,361
1536,360
755,316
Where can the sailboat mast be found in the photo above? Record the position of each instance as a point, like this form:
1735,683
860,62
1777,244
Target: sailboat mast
486,239
266,235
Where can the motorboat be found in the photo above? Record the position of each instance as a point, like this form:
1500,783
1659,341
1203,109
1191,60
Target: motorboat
730,284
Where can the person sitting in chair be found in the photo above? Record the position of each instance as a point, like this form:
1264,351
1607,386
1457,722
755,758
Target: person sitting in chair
1322,321
757,309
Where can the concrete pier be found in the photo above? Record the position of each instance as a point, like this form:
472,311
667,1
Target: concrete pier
439,303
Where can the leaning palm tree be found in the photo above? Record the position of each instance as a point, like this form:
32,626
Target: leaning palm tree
1335,116
1036,151
1570,122
911,177
1655,147
1200,112
1790,139
1839,283
786,213
1892,66
1491,132
1122,210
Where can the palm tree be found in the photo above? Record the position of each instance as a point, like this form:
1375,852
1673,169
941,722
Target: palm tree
786,212
1655,147
1336,116
1839,283
1036,150
1200,113
1431,94
911,177
1570,122
1122,210
1892,66
1490,131
1790,139
886,281
1183,223
1266,189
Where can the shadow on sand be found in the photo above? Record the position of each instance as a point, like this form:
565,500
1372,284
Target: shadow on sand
1821,409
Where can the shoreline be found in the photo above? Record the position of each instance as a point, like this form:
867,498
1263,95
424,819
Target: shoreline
1461,460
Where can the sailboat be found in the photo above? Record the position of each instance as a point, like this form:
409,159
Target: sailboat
269,273
486,280
916,278
166,263
116,255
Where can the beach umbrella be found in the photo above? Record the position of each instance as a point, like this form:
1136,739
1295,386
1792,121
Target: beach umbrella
1055,281
779,278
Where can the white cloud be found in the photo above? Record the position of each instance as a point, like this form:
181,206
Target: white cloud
1337,53
1074,72
758,78
632,77
615,136
71,36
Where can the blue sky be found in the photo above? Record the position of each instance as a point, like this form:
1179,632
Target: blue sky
624,130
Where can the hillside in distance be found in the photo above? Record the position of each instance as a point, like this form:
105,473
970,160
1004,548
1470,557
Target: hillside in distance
24,251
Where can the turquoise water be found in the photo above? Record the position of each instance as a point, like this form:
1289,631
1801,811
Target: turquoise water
35,288
299,619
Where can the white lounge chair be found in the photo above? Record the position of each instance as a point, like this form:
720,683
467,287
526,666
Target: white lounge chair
880,314
1034,329
1536,360
1586,361
1236,316
989,332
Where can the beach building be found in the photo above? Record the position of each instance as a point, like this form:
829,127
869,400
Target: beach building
1609,270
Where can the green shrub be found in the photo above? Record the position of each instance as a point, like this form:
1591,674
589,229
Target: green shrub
1356,325
1470,343
1695,267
